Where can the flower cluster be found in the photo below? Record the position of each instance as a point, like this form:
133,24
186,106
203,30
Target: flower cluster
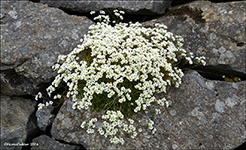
40,105
126,65
39,95
113,121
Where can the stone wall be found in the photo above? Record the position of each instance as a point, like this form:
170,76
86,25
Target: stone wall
207,112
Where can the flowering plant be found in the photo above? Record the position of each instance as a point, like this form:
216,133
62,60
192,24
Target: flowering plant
118,69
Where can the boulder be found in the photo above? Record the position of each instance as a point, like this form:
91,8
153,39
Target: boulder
204,114
214,30
15,122
32,36
130,6
45,142
44,117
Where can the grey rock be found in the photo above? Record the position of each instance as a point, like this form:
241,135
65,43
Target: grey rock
15,113
32,36
214,30
44,117
45,142
131,6
15,84
204,114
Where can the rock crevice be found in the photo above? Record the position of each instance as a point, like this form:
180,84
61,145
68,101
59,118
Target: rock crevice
208,111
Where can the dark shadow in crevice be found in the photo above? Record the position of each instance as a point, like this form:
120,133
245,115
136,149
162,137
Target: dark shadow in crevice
26,96
180,2
25,87
81,147
127,17
216,72
221,1
136,17
241,147
240,44
35,1
32,130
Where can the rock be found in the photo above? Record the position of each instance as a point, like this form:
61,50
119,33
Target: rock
204,114
44,117
15,113
214,30
130,7
14,84
45,142
209,114
32,36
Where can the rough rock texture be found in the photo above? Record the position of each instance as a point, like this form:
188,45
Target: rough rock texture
204,114
32,36
45,142
214,30
15,113
14,84
44,117
131,6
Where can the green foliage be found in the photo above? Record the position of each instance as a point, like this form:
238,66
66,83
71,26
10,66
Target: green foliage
231,79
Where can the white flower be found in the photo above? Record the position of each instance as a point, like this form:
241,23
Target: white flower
36,97
89,130
83,124
102,12
157,111
92,12
74,105
40,106
121,12
203,62
134,135
167,103
154,130
117,14
121,141
121,17
112,140
150,126
39,95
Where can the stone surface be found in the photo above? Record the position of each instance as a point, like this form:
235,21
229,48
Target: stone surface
215,30
15,113
45,142
44,117
32,36
14,84
204,114
131,6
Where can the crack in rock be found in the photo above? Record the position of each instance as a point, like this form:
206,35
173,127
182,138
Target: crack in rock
216,72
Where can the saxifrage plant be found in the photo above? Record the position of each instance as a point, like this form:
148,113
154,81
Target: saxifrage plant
118,68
